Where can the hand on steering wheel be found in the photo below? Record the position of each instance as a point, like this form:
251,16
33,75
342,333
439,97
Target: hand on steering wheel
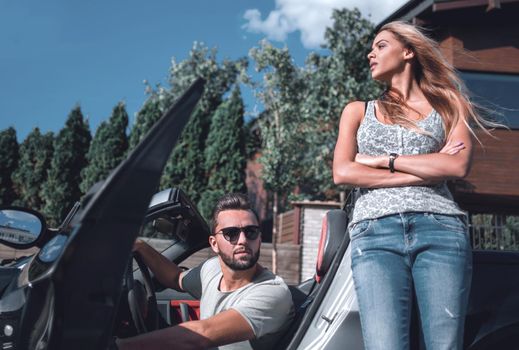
141,298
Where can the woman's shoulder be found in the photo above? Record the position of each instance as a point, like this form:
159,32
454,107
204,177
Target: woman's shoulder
355,109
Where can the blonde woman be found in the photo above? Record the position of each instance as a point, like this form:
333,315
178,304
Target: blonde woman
406,231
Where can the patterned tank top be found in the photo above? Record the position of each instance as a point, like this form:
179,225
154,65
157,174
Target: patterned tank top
376,138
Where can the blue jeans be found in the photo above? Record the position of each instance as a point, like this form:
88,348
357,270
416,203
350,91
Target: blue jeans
394,254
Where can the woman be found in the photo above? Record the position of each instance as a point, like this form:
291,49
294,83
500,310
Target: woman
406,231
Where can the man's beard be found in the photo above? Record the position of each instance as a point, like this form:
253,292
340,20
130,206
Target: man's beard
240,264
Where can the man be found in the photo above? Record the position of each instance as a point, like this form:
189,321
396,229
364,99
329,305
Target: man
242,304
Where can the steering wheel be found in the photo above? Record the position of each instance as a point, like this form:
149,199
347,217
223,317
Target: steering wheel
141,298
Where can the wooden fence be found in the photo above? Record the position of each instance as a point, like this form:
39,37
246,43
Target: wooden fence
288,224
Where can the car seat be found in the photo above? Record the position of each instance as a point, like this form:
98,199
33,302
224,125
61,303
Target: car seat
333,233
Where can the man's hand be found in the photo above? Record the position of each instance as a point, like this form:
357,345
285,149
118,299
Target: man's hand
167,272
138,245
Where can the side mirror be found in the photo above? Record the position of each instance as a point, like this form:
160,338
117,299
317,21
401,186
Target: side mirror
20,227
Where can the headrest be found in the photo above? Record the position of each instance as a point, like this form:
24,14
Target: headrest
333,229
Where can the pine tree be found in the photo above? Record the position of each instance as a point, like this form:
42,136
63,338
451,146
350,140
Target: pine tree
185,168
225,155
107,149
8,163
35,157
61,189
146,118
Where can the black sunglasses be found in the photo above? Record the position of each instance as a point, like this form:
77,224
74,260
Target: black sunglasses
232,233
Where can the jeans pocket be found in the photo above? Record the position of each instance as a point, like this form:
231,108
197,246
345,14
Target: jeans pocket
360,228
455,223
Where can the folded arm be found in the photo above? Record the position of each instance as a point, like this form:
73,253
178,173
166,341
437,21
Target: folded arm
347,171
451,162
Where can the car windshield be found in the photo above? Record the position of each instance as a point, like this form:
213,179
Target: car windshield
163,232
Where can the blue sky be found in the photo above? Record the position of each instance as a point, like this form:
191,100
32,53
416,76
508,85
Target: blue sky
55,54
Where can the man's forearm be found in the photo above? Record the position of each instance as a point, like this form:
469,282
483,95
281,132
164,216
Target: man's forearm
166,272
224,328
178,338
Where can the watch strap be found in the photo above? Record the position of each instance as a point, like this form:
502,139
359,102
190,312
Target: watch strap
391,165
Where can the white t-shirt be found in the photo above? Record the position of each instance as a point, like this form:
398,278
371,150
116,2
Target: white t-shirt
265,303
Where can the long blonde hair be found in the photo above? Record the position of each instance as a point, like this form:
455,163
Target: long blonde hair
437,79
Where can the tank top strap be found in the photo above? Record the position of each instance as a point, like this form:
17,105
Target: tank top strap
369,112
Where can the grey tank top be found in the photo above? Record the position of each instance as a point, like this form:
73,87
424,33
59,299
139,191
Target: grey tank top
376,138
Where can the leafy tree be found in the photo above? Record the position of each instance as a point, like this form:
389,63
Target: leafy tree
61,189
107,149
303,106
333,80
281,93
202,62
35,158
185,168
8,163
146,118
282,152
225,155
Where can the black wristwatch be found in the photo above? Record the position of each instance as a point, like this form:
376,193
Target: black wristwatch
392,157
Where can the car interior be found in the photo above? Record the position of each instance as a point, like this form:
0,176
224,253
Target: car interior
172,215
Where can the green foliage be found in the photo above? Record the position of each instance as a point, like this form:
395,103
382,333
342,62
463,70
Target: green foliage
107,149
225,157
8,163
35,158
303,106
281,93
333,81
146,118
185,168
494,231
202,62
61,189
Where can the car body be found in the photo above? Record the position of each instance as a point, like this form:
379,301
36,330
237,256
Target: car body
73,293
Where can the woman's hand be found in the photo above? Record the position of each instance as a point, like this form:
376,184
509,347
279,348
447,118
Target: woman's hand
452,147
376,162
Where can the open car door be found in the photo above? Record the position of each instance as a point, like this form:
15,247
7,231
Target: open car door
73,286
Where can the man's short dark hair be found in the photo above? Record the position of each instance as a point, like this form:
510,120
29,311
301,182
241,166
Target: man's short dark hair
231,201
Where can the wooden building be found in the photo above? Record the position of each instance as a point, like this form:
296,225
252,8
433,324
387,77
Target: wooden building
480,38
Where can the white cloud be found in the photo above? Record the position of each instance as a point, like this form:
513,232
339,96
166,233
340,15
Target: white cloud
311,17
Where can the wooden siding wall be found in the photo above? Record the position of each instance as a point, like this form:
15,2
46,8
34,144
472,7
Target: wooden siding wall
493,183
486,45
484,48
288,223
495,166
